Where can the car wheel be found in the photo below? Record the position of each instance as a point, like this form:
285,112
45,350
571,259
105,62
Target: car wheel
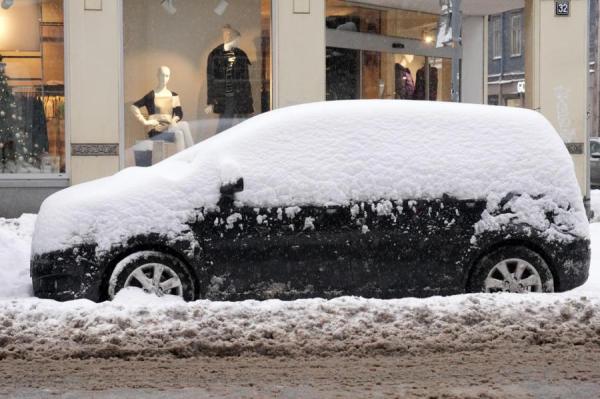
154,272
512,269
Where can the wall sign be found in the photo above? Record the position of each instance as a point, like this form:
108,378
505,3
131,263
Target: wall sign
562,8
94,149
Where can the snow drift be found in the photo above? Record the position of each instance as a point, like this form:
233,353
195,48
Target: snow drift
15,247
332,153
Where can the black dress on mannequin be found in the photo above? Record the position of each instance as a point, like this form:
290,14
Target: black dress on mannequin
229,89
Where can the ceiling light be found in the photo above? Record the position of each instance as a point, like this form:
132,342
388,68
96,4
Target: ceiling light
221,7
169,6
6,4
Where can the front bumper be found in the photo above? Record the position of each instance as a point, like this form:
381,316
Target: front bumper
65,275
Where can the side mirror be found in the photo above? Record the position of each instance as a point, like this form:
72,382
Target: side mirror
232,188
228,191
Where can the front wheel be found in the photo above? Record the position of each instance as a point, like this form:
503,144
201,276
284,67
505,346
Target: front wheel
512,269
154,272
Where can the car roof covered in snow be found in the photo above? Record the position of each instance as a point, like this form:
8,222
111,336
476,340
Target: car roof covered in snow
373,149
328,153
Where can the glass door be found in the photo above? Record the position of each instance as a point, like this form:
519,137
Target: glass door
363,74
383,53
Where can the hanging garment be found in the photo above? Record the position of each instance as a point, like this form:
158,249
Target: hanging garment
33,124
405,85
228,76
420,84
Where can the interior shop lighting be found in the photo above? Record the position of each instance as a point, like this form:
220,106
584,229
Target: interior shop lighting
6,4
169,6
221,7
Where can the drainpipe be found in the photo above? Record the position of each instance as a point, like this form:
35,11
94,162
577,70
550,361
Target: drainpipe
457,45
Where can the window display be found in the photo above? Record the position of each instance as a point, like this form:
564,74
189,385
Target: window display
32,107
362,70
165,114
211,75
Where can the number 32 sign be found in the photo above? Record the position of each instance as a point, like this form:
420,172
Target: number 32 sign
562,8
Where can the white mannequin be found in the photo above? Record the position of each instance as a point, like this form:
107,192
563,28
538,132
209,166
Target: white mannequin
183,136
231,40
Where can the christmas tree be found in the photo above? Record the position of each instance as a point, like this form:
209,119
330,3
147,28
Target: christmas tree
14,150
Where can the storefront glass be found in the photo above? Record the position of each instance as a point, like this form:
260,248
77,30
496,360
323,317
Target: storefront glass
32,91
192,69
357,67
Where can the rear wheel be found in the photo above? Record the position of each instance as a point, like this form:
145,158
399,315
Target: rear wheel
512,269
154,272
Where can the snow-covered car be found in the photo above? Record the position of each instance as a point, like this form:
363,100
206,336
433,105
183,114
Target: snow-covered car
371,198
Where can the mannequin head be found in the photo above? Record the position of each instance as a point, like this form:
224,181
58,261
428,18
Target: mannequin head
163,74
231,36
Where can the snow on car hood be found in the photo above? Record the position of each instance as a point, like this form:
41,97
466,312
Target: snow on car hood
324,153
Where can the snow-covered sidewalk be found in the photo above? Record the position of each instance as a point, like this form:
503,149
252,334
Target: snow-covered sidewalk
137,324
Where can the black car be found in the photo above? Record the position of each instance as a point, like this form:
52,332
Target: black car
372,198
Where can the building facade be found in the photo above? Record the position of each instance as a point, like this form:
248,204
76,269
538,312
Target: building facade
506,59
100,85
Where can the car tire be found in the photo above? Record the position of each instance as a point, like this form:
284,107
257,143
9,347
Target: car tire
511,269
154,272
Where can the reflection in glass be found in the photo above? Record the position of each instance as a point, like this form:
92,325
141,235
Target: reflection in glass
356,74
219,72
32,101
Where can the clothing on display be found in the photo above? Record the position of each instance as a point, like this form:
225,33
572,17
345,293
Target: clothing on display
32,112
405,85
157,107
229,90
420,84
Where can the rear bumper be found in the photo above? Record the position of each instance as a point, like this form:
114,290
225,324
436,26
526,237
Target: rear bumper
66,275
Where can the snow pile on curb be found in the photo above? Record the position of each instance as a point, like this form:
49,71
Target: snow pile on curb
15,249
595,205
134,326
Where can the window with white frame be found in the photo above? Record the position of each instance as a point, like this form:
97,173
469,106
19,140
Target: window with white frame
497,36
515,35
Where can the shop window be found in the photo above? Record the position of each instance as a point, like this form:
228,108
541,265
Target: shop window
515,35
192,70
497,36
493,100
348,16
367,73
32,94
513,101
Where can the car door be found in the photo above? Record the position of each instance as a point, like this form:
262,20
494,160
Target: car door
244,253
395,249
320,250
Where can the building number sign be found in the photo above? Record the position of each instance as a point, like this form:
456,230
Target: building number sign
562,8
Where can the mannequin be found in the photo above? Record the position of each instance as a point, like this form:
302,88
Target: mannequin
164,113
229,91
405,85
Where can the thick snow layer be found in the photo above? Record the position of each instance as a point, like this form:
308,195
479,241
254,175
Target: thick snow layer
15,247
333,152
595,205
139,324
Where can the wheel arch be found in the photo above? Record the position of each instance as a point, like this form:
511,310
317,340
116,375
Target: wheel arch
515,242
114,260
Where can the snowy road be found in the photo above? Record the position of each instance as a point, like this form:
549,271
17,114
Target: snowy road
535,372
